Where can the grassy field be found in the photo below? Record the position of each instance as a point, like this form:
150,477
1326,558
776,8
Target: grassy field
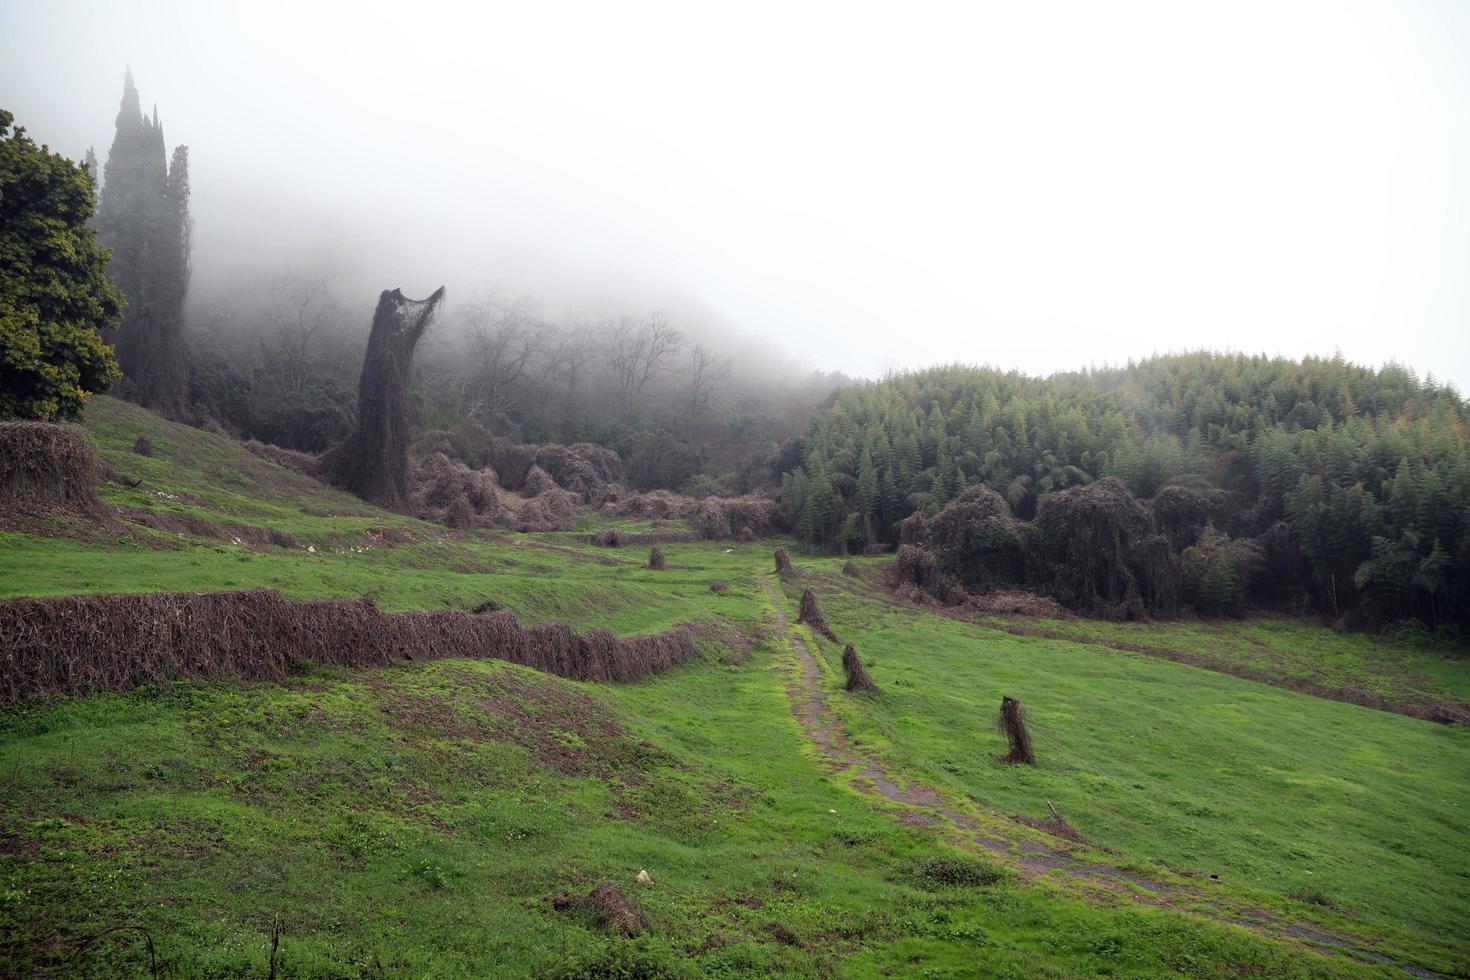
419,821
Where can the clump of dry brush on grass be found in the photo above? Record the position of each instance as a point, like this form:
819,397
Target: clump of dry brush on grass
811,614
858,681
449,492
784,568
47,466
656,559
608,907
86,644
609,538
1012,721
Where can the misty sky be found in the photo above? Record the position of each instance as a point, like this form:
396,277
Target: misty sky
1038,186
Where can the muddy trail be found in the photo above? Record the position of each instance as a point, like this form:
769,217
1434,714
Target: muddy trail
971,828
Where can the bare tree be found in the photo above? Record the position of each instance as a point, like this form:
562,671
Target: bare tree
505,338
301,312
635,351
707,373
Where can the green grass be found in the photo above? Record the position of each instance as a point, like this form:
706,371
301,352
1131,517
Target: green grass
419,820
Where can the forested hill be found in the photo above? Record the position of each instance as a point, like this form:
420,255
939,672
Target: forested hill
1368,469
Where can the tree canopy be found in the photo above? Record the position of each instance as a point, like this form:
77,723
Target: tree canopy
55,297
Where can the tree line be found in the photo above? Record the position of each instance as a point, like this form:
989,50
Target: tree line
1367,469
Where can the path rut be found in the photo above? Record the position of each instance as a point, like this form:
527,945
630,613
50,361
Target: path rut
925,806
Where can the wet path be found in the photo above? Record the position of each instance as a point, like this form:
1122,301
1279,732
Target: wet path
921,805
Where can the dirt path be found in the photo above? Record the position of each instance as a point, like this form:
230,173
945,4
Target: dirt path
966,826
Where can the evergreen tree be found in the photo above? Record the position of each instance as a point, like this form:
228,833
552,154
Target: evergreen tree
144,218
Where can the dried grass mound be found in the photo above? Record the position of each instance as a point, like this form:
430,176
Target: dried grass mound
915,566
80,645
303,463
549,511
581,468
609,537
142,445
656,560
449,492
811,614
745,518
858,681
784,568
911,530
608,907
657,505
1012,721
1016,602
852,570
537,482
47,466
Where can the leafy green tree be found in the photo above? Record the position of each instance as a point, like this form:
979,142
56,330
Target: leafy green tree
55,297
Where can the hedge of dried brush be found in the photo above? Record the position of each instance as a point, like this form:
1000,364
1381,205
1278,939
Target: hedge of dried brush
86,644
609,538
858,681
811,614
47,465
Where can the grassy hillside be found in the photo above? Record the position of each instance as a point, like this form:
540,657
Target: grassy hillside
421,820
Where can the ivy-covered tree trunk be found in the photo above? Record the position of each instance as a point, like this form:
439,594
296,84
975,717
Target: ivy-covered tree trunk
373,461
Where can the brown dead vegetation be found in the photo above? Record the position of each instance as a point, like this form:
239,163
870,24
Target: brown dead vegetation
1012,721
1054,824
609,908
46,466
85,644
858,681
811,614
784,568
609,537
656,560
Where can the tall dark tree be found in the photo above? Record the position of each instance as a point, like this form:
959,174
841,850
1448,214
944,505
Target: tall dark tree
144,218
373,462
55,297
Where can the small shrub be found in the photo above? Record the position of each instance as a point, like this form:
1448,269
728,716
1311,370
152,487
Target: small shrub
143,446
939,872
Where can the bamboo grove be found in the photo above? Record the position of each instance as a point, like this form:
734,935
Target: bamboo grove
1364,473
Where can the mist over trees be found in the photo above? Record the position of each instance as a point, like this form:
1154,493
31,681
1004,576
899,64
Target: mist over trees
143,217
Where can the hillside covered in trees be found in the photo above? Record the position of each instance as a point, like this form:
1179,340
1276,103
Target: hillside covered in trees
1246,480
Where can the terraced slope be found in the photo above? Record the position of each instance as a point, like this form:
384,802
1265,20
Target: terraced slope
433,818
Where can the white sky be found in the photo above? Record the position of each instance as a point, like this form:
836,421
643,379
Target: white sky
1032,185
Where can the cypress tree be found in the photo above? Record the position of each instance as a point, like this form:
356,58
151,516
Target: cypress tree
143,216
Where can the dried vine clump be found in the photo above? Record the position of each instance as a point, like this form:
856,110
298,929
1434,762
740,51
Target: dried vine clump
1012,721
784,568
47,466
537,482
858,681
656,559
609,908
142,445
851,569
84,644
548,511
811,614
915,566
609,538
449,492
373,461
976,542
744,518
1099,552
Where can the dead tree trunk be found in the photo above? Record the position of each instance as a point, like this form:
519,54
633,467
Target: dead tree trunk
1013,722
373,461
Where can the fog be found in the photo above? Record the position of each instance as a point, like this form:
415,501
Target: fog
862,187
